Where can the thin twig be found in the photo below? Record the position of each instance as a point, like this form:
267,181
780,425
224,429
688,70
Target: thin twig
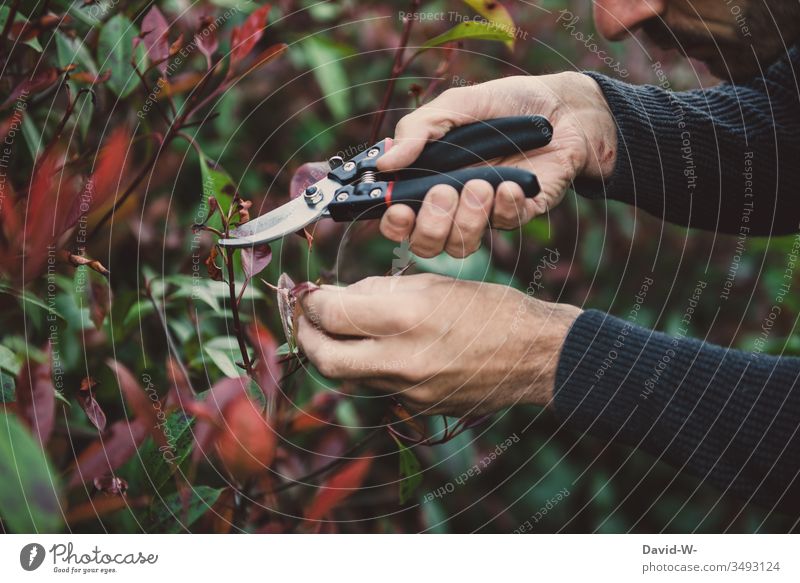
398,66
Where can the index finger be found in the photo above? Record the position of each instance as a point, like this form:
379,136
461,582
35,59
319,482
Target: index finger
345,312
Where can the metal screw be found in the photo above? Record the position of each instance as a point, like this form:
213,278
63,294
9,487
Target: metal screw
342,196
349,166
373,152
312,195
375,193
335,161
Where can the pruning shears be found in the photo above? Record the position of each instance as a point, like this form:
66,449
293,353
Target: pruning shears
355,189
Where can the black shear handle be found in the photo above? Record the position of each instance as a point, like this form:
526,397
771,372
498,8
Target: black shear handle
370,200
479,142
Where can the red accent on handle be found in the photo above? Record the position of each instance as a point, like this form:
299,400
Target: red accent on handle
388,197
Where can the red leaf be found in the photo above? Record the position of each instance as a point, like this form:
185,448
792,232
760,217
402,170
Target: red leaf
180,394
36,83
154,35
244,38
268,368
218,398
338,488
138,400
90,406
306,175
36,398
206,38
110,170
44,219
246,443
255,259
108,453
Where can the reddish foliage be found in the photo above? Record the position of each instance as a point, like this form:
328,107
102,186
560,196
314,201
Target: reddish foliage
246,443
338,488
138,400
36,398
90,406
268,369
154,35
244,38
255,259
218,398
114,448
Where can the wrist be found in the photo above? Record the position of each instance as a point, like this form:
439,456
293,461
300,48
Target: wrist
547,339
600,129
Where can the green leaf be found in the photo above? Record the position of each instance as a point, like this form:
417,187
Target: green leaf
29,299
495,13
410,472
285,350
29,500
7,386
115,52
470,30
8,360
137,312
160,465
224,357
325,58
71,51
32,135
171,515
217,183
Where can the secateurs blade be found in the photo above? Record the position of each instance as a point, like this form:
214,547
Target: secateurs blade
355,189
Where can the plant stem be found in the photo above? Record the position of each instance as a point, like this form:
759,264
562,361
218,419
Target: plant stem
237,325
398,66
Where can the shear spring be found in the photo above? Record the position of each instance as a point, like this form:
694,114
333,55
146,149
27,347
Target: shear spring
368,177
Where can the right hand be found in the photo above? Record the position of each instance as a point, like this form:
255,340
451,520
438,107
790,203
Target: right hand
584,144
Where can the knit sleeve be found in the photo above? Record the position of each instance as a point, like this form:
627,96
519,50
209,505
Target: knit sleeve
722,159
729,417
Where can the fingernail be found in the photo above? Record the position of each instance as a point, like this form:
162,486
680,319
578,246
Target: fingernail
472,199
397,221
441,202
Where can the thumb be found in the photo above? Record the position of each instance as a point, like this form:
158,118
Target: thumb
411,135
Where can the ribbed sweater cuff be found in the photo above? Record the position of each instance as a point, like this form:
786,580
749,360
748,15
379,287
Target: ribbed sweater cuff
604,365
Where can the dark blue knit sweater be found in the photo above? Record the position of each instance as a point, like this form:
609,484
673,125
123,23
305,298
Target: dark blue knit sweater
730,417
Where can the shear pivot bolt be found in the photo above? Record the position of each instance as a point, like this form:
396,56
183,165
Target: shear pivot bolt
373,152
349,166
375,193
342,196
312,195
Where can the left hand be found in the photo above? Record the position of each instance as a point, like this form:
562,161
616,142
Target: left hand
441,345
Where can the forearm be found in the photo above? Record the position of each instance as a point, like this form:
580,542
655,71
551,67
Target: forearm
723,159
727,416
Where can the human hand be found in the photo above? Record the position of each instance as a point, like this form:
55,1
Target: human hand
584,144
441,345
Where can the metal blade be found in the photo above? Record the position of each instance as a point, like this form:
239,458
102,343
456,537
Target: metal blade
284,220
